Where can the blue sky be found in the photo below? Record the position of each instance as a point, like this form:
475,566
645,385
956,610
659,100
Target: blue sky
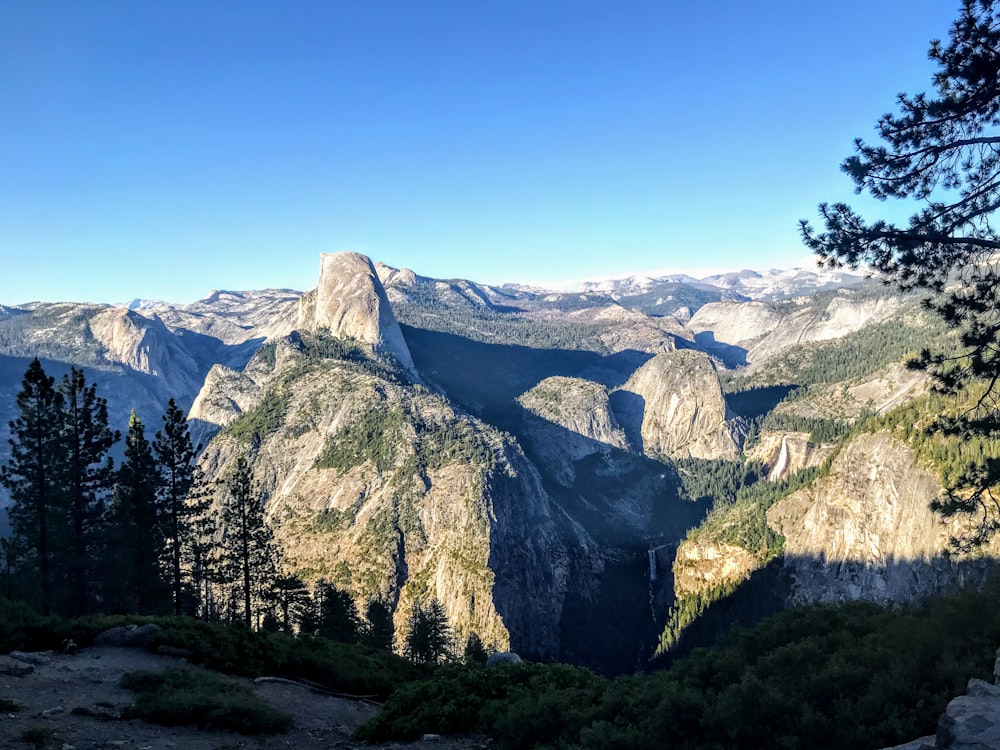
163,149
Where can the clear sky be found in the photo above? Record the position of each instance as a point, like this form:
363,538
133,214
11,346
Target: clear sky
163,149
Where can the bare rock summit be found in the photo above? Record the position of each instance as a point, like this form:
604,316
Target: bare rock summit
673,406
350,302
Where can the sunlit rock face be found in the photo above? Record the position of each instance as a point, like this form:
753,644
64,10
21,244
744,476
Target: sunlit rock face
350,303
388,491
763,329
673,406
784,453
866,530
703,565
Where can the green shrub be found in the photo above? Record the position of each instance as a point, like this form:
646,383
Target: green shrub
183,697
847,676
236,650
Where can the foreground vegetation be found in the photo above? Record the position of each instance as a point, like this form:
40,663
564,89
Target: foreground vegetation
847,676
235,650
185,697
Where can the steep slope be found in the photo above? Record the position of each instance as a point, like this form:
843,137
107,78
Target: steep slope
784,453
866,530
673,406
574,421
383,488
752,332
351,303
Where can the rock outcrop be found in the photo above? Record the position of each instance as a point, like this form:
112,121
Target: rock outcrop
351,303
784,453
574,420
762,329
387,491
970,722
866,531
673,406
702,565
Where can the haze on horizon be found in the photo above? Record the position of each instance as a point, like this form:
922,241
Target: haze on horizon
163,150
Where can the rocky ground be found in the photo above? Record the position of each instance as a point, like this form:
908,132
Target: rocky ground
58,683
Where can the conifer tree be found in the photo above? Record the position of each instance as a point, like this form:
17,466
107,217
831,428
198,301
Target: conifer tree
177,494
33,475
249,556
428,637
338,615
474,652
378,631
88,478
293,602
137,527
941,153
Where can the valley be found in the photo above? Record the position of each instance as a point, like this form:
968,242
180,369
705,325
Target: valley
592,477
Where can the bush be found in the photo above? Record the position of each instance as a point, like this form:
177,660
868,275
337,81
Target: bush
183,697
853,675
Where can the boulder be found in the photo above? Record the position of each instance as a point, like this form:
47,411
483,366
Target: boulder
503,657
970,722
14,667
35,658
127,635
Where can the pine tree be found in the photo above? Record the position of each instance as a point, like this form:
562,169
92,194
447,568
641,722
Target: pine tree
203,559
33,474
249,556
178,496
89,477
137,528
378,631
942,153
474,652
428,638
293,602
337,613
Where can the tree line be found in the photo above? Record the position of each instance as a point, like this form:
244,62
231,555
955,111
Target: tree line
149,535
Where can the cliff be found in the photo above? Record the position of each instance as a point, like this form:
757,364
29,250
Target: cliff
350,303
866,530
384,489
573,420
784,453
673,406
761,329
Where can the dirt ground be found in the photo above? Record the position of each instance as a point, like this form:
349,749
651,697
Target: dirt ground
90,680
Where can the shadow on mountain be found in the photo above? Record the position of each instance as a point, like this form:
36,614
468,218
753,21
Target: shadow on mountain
779,585
732,356
208,350
891,581
764,593
622,499
629,409
625,502
755,402
487,378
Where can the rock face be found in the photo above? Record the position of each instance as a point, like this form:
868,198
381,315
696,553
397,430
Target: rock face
673,406
762,329
970,722
784,453
385,490
574,420
350,303
866,531
701,566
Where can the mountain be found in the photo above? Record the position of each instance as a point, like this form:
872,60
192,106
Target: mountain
562,470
